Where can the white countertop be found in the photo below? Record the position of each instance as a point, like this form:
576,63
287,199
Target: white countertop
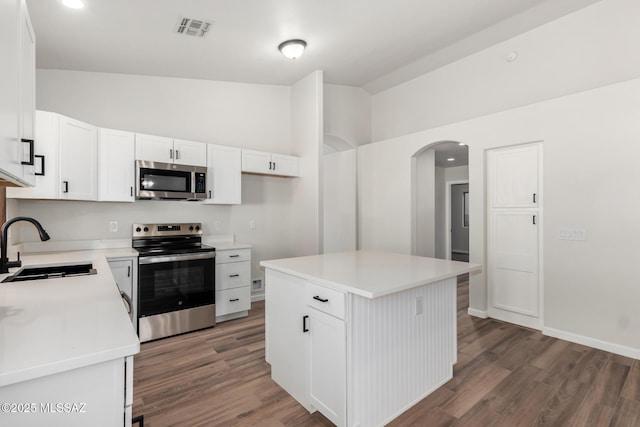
54,325
371,274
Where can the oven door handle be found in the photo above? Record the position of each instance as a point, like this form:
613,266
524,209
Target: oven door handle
175,257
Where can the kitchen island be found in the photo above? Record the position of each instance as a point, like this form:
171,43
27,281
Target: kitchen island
66,346
361,336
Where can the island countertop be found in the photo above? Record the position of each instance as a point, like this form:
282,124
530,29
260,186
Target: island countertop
371,274
55,325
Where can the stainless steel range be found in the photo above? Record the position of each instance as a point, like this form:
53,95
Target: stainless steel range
176,279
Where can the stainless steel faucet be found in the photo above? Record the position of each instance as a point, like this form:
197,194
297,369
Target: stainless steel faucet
5,264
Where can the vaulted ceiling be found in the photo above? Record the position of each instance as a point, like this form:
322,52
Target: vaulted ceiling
374,44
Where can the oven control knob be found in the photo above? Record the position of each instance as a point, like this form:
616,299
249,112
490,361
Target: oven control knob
191,228
138,229
146,229
179,302
197,228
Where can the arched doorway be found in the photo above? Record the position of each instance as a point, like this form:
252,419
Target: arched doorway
435,208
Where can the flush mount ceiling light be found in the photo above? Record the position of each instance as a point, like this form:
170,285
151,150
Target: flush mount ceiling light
73,4
292,49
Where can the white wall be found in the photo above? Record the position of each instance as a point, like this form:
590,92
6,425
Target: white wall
306,137
347,113
590,169
424,166
590,48
339,202
245,115
238,114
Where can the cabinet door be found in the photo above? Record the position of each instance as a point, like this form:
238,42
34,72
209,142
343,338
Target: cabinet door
116,165
154,148
255,161
286,341
10,148
224,175
27,92
284,165
47,185
328,361
189,152
123,273
78,143
514,172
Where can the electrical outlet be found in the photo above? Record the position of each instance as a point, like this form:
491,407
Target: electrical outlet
252,224
216,225
113,226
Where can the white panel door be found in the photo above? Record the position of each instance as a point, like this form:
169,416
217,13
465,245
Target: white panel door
154,148
78,159
189,152
515,172
116,165
224,175
327,358
514,267
514,235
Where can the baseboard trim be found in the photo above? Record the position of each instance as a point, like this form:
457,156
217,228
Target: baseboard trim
257,297
622,350
477,313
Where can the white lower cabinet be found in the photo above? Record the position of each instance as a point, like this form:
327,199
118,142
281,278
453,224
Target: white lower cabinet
94,395
233,283
327,365
125,273
306,346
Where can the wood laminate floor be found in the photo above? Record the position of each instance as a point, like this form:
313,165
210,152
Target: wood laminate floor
505,376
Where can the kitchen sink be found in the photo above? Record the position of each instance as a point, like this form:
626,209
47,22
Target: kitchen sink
50,272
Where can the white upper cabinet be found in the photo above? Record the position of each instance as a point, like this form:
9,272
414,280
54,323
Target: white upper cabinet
78,144
269,164
190,152
224,179
116,166
154,148
46,161
169,150
17,85
516,170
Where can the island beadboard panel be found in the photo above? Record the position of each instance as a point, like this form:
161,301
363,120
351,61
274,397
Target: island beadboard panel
398,356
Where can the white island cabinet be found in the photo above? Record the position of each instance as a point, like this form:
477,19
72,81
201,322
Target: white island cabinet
361,336
66,347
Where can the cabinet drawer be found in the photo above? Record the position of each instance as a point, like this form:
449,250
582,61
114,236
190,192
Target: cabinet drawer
233,256
233,300
326,300
233,275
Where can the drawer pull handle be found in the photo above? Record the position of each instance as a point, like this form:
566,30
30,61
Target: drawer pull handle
234,275
234,256
304,324
234,300
317,298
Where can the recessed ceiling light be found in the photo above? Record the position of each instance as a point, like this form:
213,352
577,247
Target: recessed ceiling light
73,4
450,159
292,49
461,144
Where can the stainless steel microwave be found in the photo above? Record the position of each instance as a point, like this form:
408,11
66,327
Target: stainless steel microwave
155,180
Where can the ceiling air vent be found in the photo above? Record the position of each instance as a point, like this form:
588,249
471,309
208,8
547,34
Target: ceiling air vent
193,27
